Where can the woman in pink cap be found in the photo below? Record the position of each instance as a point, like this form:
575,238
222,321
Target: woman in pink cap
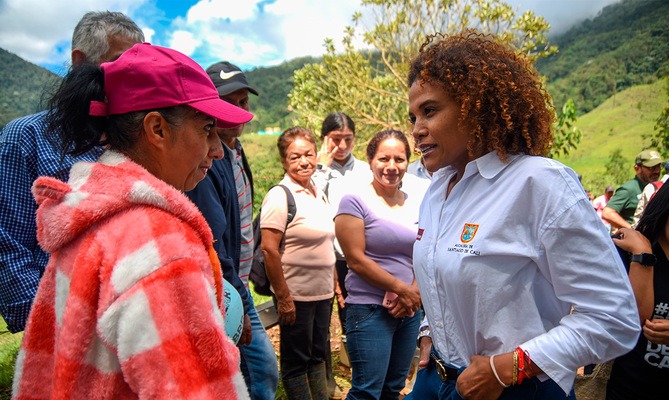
130,305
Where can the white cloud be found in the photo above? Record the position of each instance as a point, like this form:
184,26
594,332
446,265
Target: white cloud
305,24
41,31
148,34
247,32
208,9
184,42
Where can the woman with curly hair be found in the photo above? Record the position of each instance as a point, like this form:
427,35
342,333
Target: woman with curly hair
508,243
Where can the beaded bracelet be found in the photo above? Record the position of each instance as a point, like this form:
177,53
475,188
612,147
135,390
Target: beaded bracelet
494,371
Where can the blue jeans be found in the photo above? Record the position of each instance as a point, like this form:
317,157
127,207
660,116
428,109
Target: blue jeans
380,349
258,361
429,386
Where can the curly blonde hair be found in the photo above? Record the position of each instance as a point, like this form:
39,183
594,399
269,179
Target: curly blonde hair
501,95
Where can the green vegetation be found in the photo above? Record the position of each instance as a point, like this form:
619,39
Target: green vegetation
9,349
627,44
370,86
620,123
660,138
22,85
273,85
263,157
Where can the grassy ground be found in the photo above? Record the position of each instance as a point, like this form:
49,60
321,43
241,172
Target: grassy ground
9,348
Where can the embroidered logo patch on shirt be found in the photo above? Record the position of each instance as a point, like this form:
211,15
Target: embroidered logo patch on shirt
468,232
420,234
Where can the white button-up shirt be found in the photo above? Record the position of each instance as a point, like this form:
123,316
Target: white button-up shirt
502,260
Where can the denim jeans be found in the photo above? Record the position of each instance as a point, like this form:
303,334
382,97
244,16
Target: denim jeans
380,349
303,343
429,386
258,361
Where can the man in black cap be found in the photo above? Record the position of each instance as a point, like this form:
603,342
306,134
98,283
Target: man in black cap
225,198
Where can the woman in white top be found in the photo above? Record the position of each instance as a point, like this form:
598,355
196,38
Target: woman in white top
508,242
300,270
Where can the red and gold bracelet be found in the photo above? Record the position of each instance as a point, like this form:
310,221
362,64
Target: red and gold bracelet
514,376
523,366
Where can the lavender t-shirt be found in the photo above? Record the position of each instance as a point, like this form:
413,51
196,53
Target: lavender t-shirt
389,238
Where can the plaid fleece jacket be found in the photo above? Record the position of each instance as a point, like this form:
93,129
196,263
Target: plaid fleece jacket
128,305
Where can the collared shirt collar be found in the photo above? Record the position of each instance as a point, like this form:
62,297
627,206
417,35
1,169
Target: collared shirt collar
296,187
348,165
488,166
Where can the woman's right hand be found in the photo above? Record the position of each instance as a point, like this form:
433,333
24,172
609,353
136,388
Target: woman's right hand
407,302
632,240
286,310
327,152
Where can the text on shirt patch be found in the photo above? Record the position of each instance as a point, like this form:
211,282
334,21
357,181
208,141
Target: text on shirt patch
468,232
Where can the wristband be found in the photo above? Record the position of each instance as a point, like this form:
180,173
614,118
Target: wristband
494,371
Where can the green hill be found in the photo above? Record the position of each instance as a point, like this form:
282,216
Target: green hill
619,123
22,85
627,44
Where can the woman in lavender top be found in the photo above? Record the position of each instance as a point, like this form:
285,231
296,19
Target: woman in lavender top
376,228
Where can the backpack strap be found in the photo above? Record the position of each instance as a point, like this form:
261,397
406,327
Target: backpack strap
290,201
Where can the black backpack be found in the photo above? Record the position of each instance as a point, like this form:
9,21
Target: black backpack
258,274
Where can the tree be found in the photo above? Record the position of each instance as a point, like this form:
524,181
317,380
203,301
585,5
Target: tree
369,83
567,134
617,167
660,140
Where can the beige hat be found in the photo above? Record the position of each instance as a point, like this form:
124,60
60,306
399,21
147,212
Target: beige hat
649,158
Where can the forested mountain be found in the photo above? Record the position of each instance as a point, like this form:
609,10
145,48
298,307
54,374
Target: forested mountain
627,44
22,85
273,85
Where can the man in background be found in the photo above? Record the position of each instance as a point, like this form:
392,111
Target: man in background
27,150
648,193
600,202
619,211
225,198
417,168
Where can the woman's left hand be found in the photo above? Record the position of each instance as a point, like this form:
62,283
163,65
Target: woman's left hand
477,381
657,331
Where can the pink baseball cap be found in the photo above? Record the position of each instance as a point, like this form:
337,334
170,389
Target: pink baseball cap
147,77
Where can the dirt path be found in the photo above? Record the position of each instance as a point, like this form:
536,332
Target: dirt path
342,372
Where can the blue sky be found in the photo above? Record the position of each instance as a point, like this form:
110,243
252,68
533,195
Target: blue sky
249,33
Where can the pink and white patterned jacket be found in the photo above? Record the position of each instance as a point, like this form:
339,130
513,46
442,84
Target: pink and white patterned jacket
129,306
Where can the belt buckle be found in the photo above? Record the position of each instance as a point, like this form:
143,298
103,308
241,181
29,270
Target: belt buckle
441,368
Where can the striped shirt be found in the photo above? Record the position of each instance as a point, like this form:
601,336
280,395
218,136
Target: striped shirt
245,198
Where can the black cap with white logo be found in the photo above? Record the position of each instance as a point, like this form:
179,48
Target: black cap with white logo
228,78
